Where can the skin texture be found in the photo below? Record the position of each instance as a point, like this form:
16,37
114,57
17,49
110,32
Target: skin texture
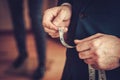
56,17
101,51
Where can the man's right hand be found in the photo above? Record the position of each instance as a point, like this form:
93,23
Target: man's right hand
56,17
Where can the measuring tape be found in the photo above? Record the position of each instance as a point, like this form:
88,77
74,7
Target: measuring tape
61,33
101,73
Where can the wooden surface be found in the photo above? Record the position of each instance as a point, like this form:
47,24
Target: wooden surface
8,52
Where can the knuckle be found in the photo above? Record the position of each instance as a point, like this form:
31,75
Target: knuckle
93,43
77,47
96,43
56,22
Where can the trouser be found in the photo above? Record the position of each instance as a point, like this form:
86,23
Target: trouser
35,8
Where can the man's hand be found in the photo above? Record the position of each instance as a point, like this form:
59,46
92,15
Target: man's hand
56,17
101,51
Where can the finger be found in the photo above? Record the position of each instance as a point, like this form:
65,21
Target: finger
60,18
83,46
48,18
77,41
86,54
65,29
50,30
89,61
54,35
50,25
89,38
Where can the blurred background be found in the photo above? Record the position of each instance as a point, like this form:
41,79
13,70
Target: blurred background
55,53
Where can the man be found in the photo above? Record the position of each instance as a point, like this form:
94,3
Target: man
93,25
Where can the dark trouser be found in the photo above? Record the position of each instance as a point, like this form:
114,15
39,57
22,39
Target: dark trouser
35,8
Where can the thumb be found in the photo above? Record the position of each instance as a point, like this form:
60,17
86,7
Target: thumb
98,35
76,41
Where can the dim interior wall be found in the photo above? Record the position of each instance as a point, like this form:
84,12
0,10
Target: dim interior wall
5,21
5,16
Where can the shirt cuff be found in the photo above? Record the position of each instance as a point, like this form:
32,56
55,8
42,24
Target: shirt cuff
66,4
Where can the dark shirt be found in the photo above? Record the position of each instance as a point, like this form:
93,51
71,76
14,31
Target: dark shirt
88,18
